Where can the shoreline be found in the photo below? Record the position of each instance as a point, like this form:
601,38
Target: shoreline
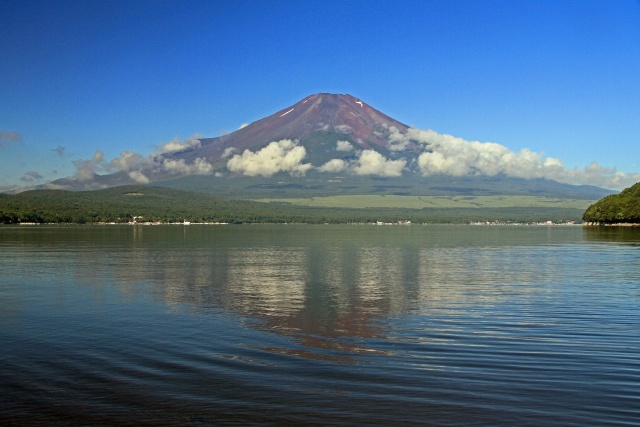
604,224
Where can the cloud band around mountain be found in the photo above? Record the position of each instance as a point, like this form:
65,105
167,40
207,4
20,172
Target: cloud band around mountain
138,168
449,155
287,156
439,154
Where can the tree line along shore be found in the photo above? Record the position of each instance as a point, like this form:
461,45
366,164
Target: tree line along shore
147,204
617,209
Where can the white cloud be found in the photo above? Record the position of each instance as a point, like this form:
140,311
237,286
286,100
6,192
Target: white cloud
134,163
244,125
441,154
202,167
228,152
597,175
176,145
454,156
399,146
128,160
179,167
86,169
334,165
344,146
371,162
139,177
175,166
449,155
368,162
343,128
282,156
397,140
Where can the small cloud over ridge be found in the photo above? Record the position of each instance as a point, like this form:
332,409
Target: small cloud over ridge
344,146
281,156
31,177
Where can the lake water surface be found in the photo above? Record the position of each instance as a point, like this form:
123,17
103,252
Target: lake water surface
317,325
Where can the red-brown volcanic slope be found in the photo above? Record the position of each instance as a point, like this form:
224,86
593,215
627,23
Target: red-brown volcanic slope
360,123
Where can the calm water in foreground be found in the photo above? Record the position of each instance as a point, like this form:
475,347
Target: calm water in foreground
366,325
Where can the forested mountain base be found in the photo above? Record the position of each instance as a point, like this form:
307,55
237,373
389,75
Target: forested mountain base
153,204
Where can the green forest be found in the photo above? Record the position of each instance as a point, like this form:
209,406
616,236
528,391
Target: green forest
155,204
616,208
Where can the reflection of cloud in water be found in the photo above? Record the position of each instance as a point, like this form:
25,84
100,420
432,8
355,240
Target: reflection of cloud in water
380,282
267,281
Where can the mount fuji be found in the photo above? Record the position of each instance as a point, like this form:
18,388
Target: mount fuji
329,144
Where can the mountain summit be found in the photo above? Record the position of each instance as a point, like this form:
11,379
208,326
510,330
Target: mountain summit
316,119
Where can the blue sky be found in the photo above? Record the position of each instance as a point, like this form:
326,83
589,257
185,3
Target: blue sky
556,77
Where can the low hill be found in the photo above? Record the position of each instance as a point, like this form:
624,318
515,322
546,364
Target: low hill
150,204
616,208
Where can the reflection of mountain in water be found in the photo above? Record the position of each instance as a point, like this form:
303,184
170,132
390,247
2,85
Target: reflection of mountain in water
328,287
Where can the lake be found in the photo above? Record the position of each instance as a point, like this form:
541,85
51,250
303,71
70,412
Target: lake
318,325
